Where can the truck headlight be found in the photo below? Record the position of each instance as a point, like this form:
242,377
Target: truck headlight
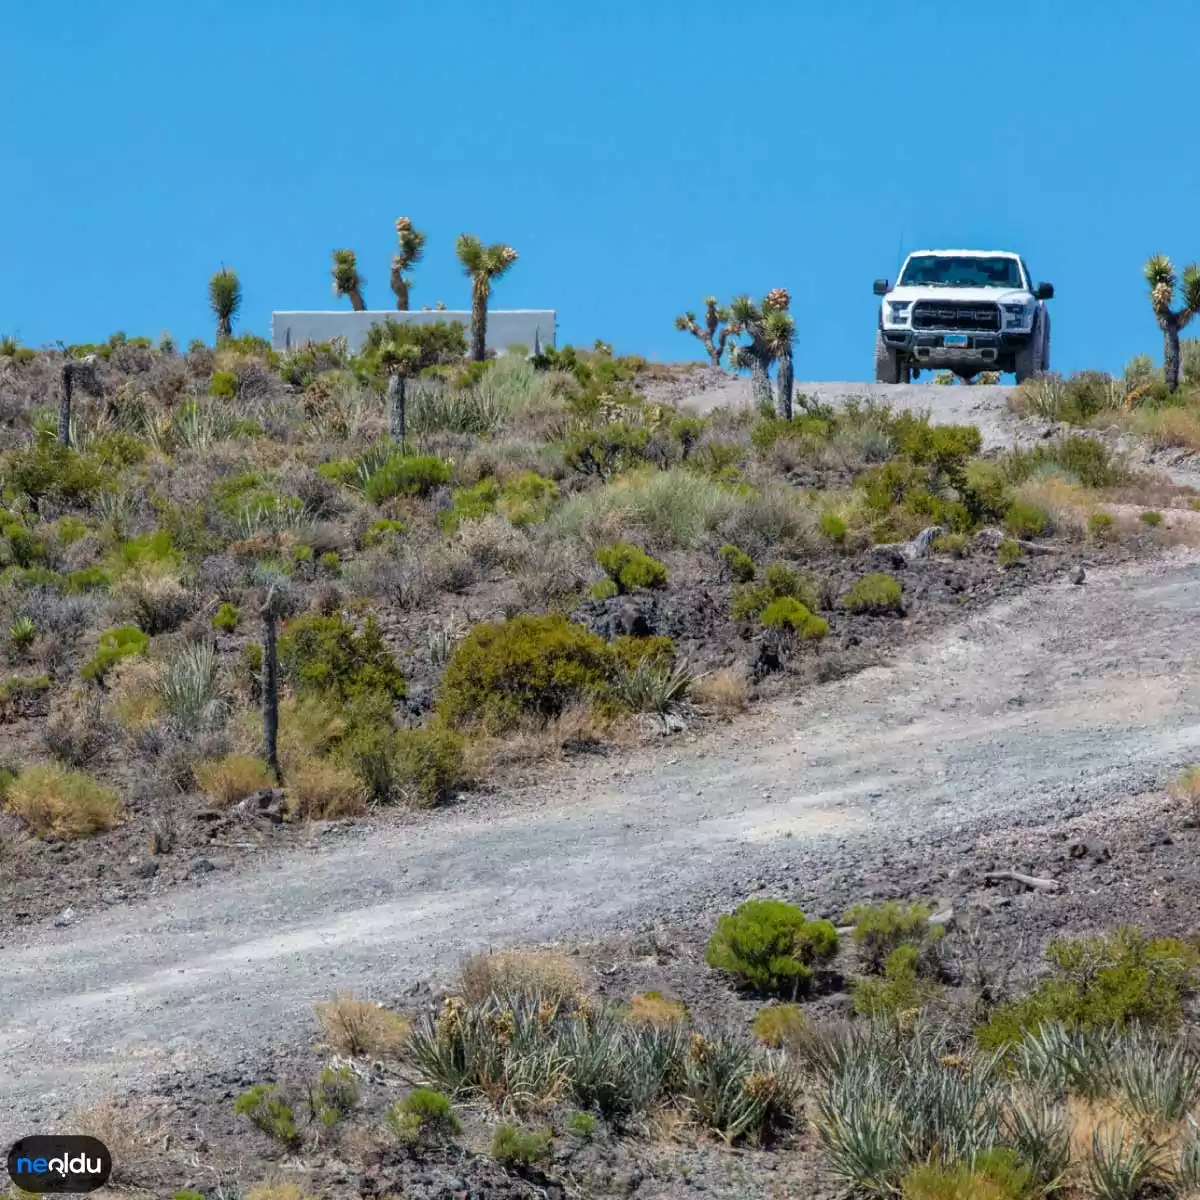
1018,314
898,311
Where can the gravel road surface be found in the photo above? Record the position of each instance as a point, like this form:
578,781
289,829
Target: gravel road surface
1059,700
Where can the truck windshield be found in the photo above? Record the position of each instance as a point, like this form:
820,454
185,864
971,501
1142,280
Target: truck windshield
949,270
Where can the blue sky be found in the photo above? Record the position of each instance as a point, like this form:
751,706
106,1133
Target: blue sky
638,155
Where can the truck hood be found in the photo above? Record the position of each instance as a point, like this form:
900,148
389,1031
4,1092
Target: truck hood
969,295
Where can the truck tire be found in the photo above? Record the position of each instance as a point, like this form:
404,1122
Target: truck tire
887,362
1046,342
1028,360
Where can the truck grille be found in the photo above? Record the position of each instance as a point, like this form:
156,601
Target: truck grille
951,314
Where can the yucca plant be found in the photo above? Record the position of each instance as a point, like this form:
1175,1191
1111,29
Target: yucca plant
1163,281
1038,1130
411,247
653,687
225,300
1121,1168
346,279
190,689
1159,1079
21,634
483,264
712,337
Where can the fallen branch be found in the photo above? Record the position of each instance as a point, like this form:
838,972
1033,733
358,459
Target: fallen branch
1030,881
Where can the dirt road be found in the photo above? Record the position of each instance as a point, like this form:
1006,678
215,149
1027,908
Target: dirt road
1063,699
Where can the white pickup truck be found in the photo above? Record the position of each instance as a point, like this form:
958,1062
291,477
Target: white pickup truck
964,311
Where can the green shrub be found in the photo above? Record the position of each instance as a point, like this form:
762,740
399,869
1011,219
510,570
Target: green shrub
632,652
331,564
226,618
1009,553
424,1115
223,384
383,532
780,582
516,1148
523,667
771,946
89,579
521,501
48,469
23,696
1150,518
738,563
604,589
833,527
331,656
115,645
900,993
333,1096
403,475
1116,980
951,543
881,928
606,451
1024,520
630,567
1099,525
581,1124
874,593
1088,459
790,614
994,1175
150,551
269,1111
422,767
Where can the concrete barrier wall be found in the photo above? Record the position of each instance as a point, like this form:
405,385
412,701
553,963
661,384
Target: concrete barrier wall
512,328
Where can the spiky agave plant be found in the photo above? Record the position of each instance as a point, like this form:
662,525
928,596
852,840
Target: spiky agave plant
225,300
346,279
411,248
483,264
1163,281
712,337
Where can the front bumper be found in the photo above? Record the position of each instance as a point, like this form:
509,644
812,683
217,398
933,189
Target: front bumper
923,346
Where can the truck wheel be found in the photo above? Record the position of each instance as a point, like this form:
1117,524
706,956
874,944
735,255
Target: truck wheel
1046,344
1028,360
887,362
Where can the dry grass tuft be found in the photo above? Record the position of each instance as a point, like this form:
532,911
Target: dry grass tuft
318,790
228,780
358,1027
135,1139
66,803
1187,789
277,1191
547,974
726,691
653,1010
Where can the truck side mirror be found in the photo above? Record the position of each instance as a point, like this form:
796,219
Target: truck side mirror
1045,291
881,287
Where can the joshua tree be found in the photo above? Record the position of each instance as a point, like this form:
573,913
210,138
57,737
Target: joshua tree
346,279
483,264
270,685
75,371
412,246
712,336
225,299
772,333
1161,277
